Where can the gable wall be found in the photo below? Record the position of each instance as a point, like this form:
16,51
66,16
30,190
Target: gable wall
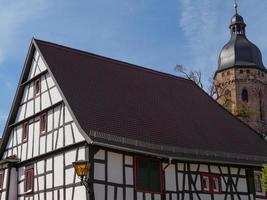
61,129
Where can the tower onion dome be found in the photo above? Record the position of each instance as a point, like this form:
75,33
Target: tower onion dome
239,51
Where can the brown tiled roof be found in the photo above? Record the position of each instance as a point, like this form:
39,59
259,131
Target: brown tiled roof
121,104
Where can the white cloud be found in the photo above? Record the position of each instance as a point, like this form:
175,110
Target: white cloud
14,15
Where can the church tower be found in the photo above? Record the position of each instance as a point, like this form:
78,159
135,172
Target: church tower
241,79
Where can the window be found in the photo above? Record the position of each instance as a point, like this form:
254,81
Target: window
244,95
228,73
216,181
258,182
205,183
37,87
43,123
211,183
248,71
261,106
25,131
29,180
241,71
148,175
223,74
1,180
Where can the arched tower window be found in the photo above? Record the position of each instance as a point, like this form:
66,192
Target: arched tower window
244,95
260,106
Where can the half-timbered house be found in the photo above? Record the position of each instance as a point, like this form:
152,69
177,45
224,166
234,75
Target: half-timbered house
148,135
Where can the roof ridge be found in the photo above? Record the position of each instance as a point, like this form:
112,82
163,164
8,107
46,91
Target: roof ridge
127,64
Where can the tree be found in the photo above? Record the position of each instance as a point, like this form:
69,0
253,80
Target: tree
215,91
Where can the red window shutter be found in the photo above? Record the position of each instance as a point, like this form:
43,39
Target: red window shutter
1,180
37,87
29,180
25,131
43,123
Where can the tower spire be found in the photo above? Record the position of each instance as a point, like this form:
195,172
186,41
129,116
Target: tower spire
235,6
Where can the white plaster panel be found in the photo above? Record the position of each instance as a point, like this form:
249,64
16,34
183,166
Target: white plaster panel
180,166
49,164
49,180
233,170
69,194
174,197
59,143
100,191
41,182
68,135
80,193
55,95
68,117
41,64
49,80
139,195
180,181
24,145
49,142
30,140
81,154
115,167
170,178
70,156
36,139
119,193
37,104
242,185
129,193
214,169
32,69
128,160
29,111
19,133
157,197
40,167
111,192
58,170
147,196
31,90
43,84
193,167
24,96
77,135
205,196
42,144
224,170
49,120
70,176
45,100
56,116
20,113
203,168
129,175
243,197
99,172
21,188
100,155
219,196
49,195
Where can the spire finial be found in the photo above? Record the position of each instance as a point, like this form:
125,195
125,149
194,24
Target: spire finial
235,6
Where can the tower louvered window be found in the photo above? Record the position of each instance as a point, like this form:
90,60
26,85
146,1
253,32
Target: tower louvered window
244,95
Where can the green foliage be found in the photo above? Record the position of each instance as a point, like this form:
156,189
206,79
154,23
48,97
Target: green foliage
264,177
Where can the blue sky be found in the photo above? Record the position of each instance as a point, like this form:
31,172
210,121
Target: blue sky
151,33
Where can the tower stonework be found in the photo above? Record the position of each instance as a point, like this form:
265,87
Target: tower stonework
241,78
